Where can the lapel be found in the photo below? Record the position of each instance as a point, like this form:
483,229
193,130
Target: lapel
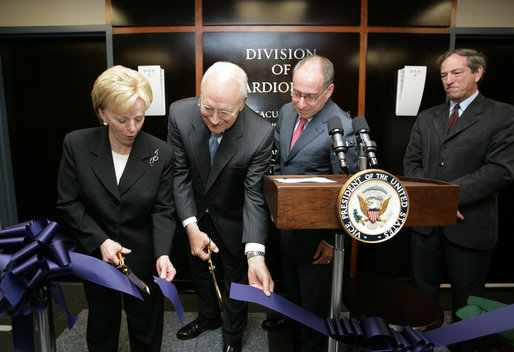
313,129
199,138
471,115
102,165
228,148
440,122
287,129
136,165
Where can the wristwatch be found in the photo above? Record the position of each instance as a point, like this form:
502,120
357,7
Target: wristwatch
251,254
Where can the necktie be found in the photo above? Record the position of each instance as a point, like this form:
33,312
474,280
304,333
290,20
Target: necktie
213,145
298,131
454,117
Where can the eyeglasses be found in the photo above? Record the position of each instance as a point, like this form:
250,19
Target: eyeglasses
209,110
308,98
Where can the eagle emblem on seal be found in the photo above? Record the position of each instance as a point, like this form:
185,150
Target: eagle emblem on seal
373,208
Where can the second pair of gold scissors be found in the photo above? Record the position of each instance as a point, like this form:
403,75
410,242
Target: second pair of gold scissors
211,270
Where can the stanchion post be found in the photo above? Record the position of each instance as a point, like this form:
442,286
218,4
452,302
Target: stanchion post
337,286
44,336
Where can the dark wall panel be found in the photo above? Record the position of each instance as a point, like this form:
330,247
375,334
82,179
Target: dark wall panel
153,12
174,52
268,59
48,84
406,13
388,52
499,50
302,12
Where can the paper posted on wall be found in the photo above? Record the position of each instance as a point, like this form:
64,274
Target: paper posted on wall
409,90
155,75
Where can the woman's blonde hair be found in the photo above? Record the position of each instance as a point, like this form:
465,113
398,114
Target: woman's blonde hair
118,89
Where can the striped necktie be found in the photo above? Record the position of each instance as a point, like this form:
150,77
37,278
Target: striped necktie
454,117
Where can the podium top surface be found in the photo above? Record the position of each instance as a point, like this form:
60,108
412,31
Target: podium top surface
310,205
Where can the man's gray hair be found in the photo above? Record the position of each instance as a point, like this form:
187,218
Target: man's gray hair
228,70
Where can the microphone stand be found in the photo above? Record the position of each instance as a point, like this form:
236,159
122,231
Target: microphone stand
338,267
362,160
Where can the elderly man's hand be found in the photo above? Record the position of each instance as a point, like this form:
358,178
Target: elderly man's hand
199,242
259,276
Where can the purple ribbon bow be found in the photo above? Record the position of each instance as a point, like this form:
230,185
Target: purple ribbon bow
34,252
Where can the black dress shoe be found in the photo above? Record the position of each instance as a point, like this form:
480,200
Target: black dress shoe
195,328
232,348
275,324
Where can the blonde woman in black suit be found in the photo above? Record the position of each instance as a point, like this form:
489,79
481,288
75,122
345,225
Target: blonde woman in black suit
115,195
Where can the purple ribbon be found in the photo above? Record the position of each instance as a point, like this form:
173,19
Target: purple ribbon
33,253
373,333
170,292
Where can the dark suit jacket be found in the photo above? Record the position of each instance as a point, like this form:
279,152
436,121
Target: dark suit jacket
232,190
311,155
137,212
477,155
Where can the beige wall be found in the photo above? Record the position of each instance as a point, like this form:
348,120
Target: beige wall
470,13
51,12
485,13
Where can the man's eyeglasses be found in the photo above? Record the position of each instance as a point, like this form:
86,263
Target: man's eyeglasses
209,110
308,98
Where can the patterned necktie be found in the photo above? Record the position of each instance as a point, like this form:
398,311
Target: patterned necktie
298,131
213,145
454,117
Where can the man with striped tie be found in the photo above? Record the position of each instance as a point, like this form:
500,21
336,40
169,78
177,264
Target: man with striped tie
467,141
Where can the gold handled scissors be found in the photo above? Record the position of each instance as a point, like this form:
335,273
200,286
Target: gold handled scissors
140,284
211,269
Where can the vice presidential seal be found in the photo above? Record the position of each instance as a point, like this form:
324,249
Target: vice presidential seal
372,206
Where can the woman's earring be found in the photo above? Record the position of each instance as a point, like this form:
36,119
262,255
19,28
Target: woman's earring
105,123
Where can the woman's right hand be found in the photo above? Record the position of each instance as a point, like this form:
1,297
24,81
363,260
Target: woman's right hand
110,249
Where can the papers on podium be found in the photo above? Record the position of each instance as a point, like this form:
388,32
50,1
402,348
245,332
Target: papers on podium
305,179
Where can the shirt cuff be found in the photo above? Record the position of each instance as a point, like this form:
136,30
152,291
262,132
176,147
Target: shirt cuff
189,221
252,246
328,244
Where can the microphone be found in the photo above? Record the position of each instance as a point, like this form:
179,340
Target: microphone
361,129
335,130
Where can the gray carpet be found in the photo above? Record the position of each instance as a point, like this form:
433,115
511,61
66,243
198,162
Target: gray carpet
255,338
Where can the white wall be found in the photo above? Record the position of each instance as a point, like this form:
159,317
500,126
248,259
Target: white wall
52,12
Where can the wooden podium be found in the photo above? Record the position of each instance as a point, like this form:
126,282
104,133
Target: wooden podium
313,205
310,205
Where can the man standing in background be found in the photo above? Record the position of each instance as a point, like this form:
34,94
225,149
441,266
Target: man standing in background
467,141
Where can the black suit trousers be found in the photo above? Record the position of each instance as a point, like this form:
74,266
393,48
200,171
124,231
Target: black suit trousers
144,318
308,286
234,269
466,268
